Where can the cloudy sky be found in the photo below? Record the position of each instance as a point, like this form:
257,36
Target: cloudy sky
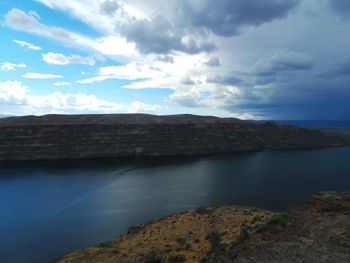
252,59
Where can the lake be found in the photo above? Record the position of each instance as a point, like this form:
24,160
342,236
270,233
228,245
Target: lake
50,208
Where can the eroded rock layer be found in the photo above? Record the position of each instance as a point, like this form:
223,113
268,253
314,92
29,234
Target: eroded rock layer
93,136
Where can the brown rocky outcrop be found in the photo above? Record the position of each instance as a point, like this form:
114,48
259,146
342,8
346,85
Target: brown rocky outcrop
318,232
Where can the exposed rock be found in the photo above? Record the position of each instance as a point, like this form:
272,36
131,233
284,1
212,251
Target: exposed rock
92,136
340,132
317,232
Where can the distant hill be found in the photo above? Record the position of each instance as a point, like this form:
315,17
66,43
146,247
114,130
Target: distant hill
318,123
110,119
339,128
126,135
4,116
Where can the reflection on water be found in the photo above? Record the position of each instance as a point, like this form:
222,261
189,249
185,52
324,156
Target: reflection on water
48,209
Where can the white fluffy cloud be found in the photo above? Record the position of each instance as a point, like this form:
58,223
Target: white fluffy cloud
112,45
130,71
62,84
15,93
31,75
157,73
73,103
26,44
7,66
60,59
12,92
19,20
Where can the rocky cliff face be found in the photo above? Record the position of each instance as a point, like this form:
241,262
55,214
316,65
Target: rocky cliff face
93,136
317,232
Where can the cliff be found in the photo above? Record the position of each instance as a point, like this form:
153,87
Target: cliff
115,135
318,232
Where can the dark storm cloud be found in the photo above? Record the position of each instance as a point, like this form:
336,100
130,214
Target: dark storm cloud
302,96
213,62
186,28
297,102
298,98
109,7
226,17
277,68
262,80
339,69
188,81
283,61
342,7
280,83
165,58
225,80
159,36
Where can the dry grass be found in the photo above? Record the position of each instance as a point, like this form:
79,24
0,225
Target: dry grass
183,237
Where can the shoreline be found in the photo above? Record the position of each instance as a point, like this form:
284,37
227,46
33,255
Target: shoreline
235,234
62,137
142,159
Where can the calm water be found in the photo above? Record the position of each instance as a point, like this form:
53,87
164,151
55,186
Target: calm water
49,209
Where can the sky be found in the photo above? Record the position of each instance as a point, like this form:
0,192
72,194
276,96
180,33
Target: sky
249,59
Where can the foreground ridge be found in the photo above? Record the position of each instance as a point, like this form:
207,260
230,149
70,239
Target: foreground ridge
51,137
319,231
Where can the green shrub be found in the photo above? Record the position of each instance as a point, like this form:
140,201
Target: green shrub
176,258
153,257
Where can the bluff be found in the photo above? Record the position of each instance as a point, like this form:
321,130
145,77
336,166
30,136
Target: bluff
318,231
52,137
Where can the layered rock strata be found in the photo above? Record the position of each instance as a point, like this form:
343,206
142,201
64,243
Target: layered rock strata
52,137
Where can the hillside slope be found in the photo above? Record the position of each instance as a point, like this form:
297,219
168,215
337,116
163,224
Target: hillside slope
92,136
318,232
